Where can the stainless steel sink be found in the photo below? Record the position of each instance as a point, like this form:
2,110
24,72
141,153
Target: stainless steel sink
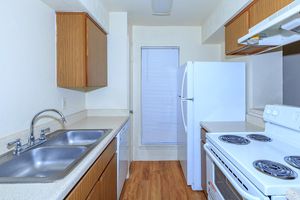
51,160
78,137
46,163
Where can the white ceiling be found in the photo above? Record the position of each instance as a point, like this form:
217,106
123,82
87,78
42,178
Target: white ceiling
184,12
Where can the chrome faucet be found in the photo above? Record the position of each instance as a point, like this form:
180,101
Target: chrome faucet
31,139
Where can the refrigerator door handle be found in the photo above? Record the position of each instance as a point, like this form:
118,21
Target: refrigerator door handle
187,99
181,102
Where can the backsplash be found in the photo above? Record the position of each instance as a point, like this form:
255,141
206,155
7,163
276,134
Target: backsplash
53,125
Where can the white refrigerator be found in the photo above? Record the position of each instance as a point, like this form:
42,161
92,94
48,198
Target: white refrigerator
207,91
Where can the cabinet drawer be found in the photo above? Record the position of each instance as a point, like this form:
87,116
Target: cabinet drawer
87,182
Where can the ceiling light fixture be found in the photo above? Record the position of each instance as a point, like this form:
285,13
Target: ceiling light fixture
162,7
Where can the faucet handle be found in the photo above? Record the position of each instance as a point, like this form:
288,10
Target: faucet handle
18,145
63,120
16,142
43,133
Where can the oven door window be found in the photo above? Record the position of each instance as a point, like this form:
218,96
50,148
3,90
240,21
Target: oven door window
225,187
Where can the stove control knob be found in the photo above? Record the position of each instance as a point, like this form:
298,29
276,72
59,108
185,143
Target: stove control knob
268,111
275,113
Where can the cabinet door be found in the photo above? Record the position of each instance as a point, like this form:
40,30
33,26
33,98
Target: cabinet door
203,161
261,9
96,55
95,193
90,180
71,50
234,30
106,187
108,181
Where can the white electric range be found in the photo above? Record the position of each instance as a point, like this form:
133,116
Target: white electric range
264,165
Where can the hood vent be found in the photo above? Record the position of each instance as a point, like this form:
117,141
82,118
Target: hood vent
279,29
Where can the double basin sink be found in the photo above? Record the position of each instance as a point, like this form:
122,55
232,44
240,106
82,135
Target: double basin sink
51,160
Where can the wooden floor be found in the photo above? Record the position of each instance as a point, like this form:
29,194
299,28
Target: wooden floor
158,180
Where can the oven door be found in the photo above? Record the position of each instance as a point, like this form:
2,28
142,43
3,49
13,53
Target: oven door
225,181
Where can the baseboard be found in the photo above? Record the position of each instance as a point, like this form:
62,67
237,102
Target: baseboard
155,153
54,124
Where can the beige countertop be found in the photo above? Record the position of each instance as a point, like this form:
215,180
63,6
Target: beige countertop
237,126
59,189
293,194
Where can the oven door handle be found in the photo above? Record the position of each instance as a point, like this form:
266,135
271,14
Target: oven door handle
234,184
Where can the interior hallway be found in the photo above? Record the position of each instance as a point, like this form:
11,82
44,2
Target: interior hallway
158,180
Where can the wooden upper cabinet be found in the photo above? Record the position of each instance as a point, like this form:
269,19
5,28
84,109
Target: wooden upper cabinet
235,29
239,26
96,56
108,181
261,9
81,52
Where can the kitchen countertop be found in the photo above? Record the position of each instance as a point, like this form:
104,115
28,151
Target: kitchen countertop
237,126
60,188
293,194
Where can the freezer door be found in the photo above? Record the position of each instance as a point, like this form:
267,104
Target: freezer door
181,133
181,139
185,120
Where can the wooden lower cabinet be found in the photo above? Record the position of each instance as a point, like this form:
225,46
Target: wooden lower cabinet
203,161
108,181
105,188
100,181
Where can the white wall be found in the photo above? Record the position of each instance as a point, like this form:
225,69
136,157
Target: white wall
116,94
97,11
94,8
28,70
291,81
188,39
264,78
267,79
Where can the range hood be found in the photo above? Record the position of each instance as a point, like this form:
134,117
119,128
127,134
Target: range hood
279,29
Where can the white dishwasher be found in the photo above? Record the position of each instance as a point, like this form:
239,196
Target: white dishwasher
122,156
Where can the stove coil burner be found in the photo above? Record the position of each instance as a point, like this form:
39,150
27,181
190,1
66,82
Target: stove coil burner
259,137
234,139
275,169
293,161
